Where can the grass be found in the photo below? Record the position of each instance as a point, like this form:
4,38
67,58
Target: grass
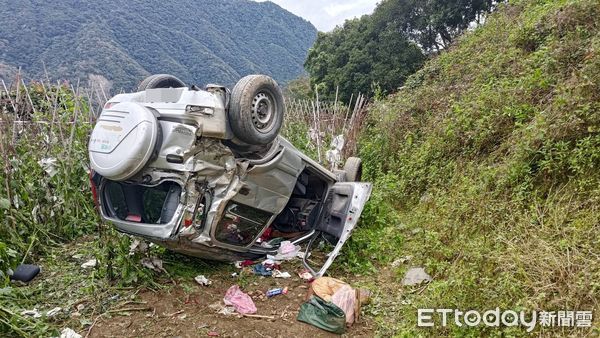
486,172
64,283
47,215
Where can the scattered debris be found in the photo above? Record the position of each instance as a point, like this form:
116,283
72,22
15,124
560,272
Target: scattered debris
49,165
279,274
325,287
396,263
322,314
202,280
53,312
262,270
213,334
271,264
277,291
345,298
243,264
32,313
266,245
227,310
69,333
90,264
25,272
286,247
234,275
154,264
305,275
415,276
333,155
286,251
342,295
80,307
275,241
239,300
216,306
138,246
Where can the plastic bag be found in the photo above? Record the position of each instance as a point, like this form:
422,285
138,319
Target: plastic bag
324,315
345,299
325,287
286,252
239,300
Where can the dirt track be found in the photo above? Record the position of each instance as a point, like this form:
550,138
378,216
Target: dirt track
184,311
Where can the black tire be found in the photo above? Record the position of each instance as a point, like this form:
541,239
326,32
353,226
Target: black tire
353,169
160,81
256,110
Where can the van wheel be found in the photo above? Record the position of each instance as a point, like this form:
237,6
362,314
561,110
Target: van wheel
160,81
256,110
353,169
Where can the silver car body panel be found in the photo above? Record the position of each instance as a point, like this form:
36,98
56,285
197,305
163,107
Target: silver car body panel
194,125
361,193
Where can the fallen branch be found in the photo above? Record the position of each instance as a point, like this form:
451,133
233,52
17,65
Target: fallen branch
130,309
259,316
92,326
175,313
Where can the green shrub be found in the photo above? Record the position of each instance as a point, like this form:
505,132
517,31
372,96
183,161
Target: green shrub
488,163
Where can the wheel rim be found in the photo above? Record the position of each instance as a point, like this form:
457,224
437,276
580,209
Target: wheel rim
263,111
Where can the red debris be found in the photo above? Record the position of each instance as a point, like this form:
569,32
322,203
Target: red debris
246,263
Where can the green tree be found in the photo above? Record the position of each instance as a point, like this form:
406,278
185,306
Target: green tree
299,89
381,50
433,24
354,57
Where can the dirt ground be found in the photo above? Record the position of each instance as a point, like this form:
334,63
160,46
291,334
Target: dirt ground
185,311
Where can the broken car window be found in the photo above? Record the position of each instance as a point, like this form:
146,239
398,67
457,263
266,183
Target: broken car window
240,224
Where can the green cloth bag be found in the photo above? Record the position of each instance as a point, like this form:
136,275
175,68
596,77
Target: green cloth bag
322,314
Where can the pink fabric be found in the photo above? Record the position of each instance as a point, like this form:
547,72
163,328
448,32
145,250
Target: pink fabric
286,247
345,299
239,300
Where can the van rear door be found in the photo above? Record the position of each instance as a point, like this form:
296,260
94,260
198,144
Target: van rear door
344,204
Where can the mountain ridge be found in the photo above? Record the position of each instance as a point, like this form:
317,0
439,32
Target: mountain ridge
208,41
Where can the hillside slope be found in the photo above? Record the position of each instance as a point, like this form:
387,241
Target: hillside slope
487,172
202,41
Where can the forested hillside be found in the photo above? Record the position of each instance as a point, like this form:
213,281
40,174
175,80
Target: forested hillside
375,54
487,171
485,168
208,41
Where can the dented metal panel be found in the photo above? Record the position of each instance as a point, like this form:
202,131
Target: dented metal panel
193,126
268,186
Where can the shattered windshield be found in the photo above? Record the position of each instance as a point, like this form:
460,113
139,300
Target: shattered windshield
240,224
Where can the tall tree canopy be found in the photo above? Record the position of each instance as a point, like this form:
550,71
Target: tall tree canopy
377,52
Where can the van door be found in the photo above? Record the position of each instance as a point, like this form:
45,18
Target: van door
342,208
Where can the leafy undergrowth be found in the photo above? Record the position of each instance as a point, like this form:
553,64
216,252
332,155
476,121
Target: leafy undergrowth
84,294
486,169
